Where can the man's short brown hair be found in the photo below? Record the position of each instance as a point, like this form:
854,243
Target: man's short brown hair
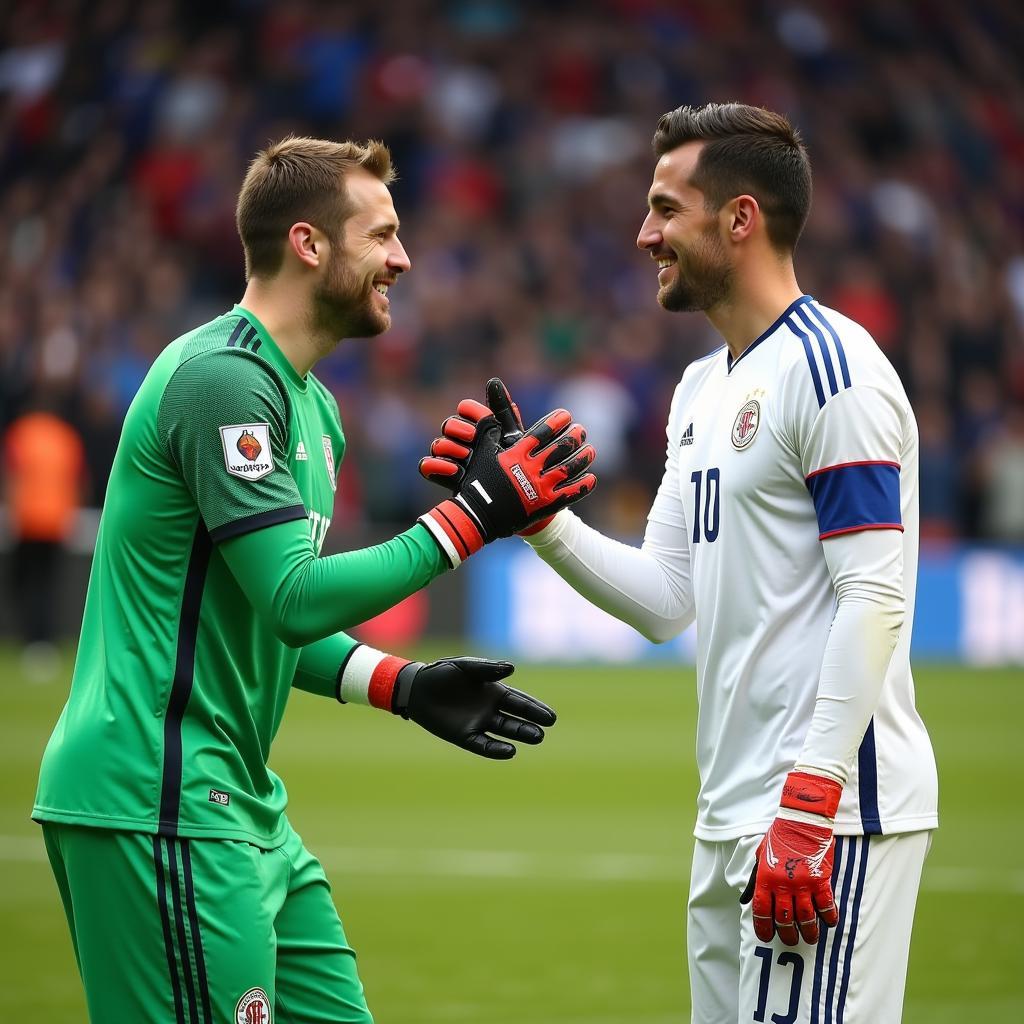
748,151
299,179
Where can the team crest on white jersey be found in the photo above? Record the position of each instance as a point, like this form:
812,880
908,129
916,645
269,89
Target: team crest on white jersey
744,427
253,1008
247,451
332,473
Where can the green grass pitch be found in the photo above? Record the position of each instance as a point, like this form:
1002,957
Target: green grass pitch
551,888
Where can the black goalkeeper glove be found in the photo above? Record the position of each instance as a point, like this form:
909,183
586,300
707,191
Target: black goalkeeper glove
462,699
459,700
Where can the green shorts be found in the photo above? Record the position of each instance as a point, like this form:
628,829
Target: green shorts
203,931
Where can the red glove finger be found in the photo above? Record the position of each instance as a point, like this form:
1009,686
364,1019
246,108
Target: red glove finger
761,908
543,432
442,471
785,917
564,445
570,470
825,902
806,917
578,488
472,410
457,429
449,449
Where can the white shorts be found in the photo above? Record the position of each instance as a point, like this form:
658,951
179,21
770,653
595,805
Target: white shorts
857,972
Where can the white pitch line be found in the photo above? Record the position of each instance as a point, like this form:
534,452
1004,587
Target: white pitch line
565,867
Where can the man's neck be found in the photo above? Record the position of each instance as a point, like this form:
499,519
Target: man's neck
283,314
753,307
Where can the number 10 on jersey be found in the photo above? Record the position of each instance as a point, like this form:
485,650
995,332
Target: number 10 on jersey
705,482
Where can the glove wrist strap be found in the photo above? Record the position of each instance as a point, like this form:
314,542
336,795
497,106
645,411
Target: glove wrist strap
456,530
368,676
812,794
403,688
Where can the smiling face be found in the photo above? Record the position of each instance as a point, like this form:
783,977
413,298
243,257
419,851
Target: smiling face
350,300
694,269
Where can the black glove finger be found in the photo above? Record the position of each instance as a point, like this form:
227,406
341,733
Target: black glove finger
516,729
458,429
496,750
441,471
482,669
522,705
506,411
748,893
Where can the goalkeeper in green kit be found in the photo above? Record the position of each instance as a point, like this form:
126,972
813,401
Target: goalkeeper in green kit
189,896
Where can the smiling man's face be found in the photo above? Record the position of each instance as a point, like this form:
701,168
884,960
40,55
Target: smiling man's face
351,298
694,270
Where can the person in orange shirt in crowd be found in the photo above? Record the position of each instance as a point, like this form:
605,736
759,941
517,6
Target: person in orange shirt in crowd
44,469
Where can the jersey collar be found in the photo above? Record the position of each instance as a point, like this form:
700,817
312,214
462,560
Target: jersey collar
730,362
270,349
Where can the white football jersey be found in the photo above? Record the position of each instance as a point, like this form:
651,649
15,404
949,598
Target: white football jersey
809,434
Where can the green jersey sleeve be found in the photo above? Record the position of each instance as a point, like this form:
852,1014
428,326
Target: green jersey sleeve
223,418
320,663
304,598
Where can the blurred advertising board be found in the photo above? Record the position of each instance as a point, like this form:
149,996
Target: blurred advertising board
970,607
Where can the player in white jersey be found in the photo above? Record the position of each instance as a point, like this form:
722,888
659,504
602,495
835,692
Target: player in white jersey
786,524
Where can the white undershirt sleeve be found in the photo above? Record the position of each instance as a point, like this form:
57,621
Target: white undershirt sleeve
648,587
867,572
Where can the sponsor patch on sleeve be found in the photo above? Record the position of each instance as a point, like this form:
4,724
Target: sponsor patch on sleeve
247,451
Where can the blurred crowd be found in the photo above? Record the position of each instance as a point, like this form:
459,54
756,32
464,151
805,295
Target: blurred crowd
521,134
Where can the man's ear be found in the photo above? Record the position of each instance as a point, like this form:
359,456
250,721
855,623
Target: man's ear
742,215
303,240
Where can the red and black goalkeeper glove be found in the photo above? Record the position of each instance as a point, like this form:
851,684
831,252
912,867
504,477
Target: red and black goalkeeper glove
500,490
450,454
791,884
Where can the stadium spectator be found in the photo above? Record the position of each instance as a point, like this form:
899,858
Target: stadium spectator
43,462
123,127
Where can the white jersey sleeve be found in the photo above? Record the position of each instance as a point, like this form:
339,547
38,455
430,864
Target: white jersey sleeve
866,567
650,588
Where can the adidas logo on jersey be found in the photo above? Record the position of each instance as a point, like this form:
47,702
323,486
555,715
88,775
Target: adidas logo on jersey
300,453
687,437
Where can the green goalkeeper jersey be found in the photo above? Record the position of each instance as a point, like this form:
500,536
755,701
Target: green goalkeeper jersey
179,684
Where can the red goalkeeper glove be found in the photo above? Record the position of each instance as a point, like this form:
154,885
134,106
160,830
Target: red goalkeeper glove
451,453
791,884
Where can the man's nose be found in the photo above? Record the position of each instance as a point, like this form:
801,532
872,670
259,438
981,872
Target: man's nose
398,258
649,235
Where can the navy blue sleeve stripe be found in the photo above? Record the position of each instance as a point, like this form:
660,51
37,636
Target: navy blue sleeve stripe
239,327
258,521
815,376
844,367
856,496
826,355
867,776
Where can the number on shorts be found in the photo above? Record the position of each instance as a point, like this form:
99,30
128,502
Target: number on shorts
785,959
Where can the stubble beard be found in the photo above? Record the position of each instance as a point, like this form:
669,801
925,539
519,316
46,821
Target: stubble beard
344,307
703,278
